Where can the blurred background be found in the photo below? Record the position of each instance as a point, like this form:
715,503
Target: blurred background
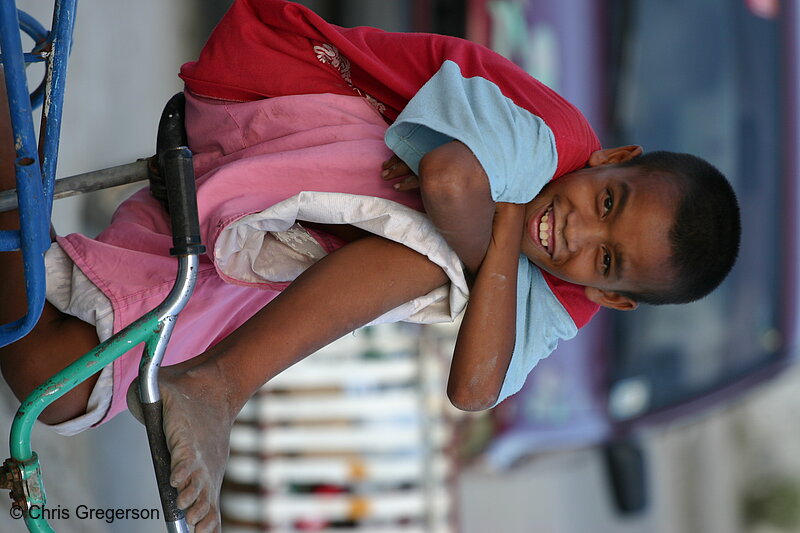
669,420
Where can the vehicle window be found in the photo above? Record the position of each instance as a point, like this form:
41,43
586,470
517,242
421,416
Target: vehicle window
704,77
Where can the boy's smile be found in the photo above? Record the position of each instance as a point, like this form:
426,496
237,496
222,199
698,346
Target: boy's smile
604,227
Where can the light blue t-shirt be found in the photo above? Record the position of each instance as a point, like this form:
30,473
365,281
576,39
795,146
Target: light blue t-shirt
518,153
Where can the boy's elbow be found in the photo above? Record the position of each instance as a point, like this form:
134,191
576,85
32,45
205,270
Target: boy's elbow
440,183
449,172
473,400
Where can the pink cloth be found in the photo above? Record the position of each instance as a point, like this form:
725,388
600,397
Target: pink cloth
249,156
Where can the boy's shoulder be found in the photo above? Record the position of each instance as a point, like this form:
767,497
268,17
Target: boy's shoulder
573,298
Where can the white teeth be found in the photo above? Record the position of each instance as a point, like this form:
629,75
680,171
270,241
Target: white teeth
544,228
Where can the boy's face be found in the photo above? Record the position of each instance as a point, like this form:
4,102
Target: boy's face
606,228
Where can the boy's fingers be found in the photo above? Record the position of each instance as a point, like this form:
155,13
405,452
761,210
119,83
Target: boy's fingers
391,161
411,182
394,168
400,170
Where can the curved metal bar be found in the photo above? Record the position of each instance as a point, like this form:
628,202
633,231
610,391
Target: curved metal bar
34,220
57,386
150,396
41,38
178,526
38,525
168,312
32,27
146,328
153,329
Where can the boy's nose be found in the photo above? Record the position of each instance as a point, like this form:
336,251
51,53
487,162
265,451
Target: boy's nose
580,231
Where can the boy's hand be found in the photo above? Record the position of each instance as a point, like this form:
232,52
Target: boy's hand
394,168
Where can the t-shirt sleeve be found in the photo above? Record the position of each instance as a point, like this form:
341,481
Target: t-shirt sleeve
515,147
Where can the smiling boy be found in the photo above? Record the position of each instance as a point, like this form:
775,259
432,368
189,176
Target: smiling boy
627,229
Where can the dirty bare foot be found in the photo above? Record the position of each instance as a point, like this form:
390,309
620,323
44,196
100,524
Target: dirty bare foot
197,424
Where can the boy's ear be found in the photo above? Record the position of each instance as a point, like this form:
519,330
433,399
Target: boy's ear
610,299
612,156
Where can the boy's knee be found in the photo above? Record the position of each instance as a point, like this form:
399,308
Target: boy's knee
24,376
19,369
54,344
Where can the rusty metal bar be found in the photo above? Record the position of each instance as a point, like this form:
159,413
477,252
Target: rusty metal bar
87,182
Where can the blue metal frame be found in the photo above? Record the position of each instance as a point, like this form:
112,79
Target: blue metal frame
40,36
35,178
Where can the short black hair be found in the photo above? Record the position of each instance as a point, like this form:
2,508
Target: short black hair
706,232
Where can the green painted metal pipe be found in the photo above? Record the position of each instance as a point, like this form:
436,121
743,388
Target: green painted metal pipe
145,329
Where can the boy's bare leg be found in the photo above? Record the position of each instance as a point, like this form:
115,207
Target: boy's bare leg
202,396
58,339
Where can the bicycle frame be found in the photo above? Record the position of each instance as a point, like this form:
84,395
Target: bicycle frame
35,187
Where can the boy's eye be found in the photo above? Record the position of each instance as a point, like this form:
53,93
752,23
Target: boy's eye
608,203
606,262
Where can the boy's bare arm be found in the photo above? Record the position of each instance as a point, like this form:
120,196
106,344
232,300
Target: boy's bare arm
486,236
336,295
455,192
486,338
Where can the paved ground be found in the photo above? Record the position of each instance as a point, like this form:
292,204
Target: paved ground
735,470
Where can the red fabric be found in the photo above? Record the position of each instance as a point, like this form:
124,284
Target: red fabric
266,48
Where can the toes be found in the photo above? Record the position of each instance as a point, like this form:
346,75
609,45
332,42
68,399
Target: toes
189,493
183,464
198,511
179,477
209,524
